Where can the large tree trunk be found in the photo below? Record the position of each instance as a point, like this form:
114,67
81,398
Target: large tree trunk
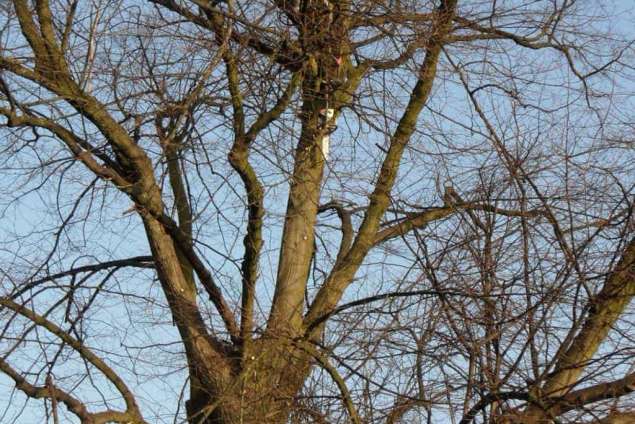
253,382
261,391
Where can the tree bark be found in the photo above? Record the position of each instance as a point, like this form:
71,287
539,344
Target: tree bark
261,391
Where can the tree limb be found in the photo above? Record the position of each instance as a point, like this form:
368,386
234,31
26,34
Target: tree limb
332,290
74,405
287,57
82,350
605,310
136,262
598,392
347,227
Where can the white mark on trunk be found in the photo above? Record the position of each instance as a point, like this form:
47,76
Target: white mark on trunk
325,146
329,125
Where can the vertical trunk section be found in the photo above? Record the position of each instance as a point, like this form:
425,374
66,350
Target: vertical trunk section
262,391
297,246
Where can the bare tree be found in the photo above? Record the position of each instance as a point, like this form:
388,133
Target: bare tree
457,243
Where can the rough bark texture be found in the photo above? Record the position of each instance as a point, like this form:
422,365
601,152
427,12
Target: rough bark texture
262,390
